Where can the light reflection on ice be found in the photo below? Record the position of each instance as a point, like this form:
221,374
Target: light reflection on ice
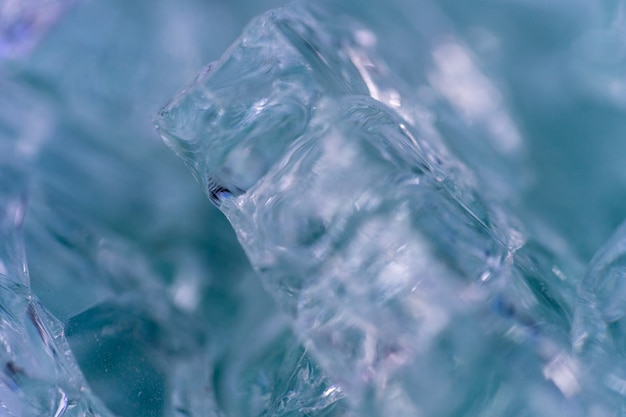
562,371
457,78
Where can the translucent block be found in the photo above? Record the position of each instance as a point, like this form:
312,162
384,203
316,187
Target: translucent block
414,287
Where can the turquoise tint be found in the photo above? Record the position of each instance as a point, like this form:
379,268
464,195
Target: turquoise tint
384,175
416,208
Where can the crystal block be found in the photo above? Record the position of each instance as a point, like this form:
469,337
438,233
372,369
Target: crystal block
381,207
40,375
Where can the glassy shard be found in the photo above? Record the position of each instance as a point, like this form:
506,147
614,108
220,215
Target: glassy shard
414,287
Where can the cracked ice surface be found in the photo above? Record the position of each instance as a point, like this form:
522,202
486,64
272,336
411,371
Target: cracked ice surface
379,192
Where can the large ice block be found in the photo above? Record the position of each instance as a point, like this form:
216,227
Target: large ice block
412,283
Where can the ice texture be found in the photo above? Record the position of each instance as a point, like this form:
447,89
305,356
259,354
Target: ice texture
379,194
123,292
419,187
40,375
